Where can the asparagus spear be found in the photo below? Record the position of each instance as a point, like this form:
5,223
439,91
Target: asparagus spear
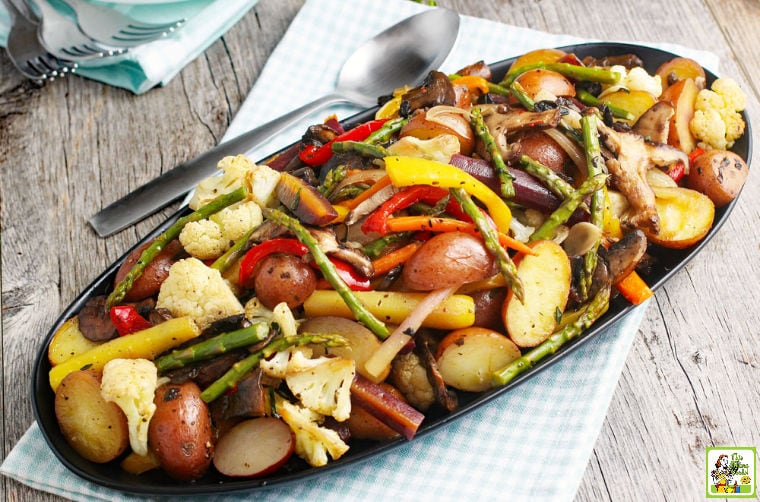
552,181
595,165
566,209
333,178
213,347
522,97
593,311
242,367
480,128
171,233
506,265
236,251
386,131
363,315
589,99
589,73
360,147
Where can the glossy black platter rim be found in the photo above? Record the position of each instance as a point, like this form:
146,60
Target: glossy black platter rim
156,483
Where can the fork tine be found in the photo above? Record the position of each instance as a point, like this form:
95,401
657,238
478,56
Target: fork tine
156,27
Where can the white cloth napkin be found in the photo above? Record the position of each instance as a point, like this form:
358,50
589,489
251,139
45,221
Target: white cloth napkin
156,63
533,443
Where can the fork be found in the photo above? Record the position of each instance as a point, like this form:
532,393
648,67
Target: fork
113,28
63,38
27,53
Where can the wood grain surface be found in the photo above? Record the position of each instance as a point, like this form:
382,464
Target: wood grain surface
73,146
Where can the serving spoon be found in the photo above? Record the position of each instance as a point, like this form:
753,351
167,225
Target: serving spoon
401,55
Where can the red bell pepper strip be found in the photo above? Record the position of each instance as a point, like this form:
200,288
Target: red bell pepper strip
261,251
677,170
127,320
352,278
317,155
378,219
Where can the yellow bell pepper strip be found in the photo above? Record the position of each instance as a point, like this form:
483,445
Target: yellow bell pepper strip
408,171
473,83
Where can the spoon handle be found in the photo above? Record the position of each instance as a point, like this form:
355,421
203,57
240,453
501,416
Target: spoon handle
179,180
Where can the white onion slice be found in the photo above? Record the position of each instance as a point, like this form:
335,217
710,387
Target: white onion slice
378,362
569,146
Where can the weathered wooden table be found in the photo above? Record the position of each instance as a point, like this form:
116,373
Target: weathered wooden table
69,148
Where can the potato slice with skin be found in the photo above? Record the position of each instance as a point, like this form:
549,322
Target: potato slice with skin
546,280
254,448
685,217
682,95
68,342
467,357
95,428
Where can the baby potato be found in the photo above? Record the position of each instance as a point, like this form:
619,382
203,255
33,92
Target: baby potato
719,174
549,81
685,217
154,274
446,260
68,341
467,357
546,280
94,427
180,433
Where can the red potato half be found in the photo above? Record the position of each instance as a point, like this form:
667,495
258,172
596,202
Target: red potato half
682,95
467,357
546,278
254,448
685,217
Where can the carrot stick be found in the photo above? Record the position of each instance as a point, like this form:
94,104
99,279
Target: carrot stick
633,288
389,261
376,187
428,224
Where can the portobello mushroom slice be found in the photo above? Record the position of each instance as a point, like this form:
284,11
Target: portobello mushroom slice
631,158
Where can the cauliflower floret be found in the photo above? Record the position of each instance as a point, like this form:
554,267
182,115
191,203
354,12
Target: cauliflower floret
717,121
322,384
410,377
194,290
131,384
238,171
209,239
238,219
313,442
732,94
708,127
277,365
635,79
203,239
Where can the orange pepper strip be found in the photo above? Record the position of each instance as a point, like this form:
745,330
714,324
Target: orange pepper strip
633,288
428,224
472,83
376,187
389,261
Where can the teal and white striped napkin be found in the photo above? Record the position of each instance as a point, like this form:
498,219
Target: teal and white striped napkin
156,63
532,443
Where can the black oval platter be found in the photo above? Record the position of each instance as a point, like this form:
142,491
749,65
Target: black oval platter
157,483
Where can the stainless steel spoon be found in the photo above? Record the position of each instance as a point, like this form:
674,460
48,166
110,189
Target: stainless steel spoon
403,54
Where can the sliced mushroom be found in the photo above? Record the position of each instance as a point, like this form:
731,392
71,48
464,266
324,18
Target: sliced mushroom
328,242
624,255
632,157
502,121
435,90
654,123
581,238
